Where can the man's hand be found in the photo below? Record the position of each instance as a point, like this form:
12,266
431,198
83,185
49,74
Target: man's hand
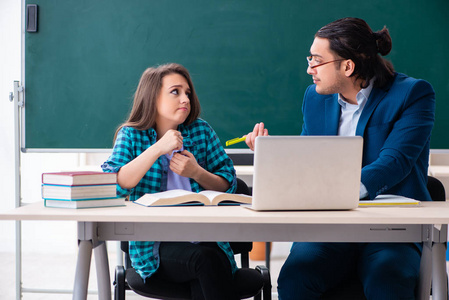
258,130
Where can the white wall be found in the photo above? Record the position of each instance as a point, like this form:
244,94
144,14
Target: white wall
9,71
40,237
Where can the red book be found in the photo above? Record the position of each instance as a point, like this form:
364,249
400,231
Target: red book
79,178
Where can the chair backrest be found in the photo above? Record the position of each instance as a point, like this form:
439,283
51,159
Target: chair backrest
242,187
436,189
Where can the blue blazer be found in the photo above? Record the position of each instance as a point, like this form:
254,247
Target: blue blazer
395,124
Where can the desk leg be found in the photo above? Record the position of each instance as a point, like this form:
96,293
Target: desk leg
102,267
82,270
439,276
425,272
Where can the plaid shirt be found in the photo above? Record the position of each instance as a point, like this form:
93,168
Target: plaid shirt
200,140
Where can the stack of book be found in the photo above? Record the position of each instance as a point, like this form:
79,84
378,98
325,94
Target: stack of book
82,189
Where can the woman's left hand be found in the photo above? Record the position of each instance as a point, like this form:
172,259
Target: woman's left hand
184,163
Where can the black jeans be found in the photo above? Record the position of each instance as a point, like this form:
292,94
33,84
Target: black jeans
205,266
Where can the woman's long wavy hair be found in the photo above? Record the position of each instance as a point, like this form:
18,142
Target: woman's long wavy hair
143,113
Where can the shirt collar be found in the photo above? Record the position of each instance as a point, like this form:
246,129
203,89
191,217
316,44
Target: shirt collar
185,131
361,97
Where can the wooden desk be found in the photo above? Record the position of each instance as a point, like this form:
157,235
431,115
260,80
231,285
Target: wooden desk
234,223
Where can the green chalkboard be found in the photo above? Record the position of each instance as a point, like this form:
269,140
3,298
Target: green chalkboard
246,58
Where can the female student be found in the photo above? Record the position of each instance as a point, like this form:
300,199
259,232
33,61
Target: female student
164,145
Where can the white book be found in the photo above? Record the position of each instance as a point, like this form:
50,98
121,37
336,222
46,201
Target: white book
65,192
183,197
390,200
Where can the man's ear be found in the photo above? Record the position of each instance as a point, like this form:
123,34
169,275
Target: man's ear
348,67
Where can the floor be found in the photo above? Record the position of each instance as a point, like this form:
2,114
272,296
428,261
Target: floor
56,272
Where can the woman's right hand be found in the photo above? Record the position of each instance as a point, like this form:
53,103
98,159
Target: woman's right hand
258,130
172,140
131,173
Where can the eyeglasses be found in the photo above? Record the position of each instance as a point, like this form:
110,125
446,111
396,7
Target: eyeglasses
310,58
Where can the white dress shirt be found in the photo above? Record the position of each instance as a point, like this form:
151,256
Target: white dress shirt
350,115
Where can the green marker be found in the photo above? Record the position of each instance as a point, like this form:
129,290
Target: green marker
235,141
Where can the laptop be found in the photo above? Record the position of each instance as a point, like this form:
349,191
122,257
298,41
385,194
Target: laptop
307,172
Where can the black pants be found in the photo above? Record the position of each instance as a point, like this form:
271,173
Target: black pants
204,265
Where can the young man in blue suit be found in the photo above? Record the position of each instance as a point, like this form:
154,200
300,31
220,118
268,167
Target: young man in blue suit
357,92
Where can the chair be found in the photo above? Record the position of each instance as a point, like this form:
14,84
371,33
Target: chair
249,282
352,288
436,189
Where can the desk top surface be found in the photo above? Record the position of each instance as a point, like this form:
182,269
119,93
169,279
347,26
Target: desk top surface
427,213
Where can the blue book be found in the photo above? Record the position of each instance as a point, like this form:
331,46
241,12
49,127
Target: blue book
85,203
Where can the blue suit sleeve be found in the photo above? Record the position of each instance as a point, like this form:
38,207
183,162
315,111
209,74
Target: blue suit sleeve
405,149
